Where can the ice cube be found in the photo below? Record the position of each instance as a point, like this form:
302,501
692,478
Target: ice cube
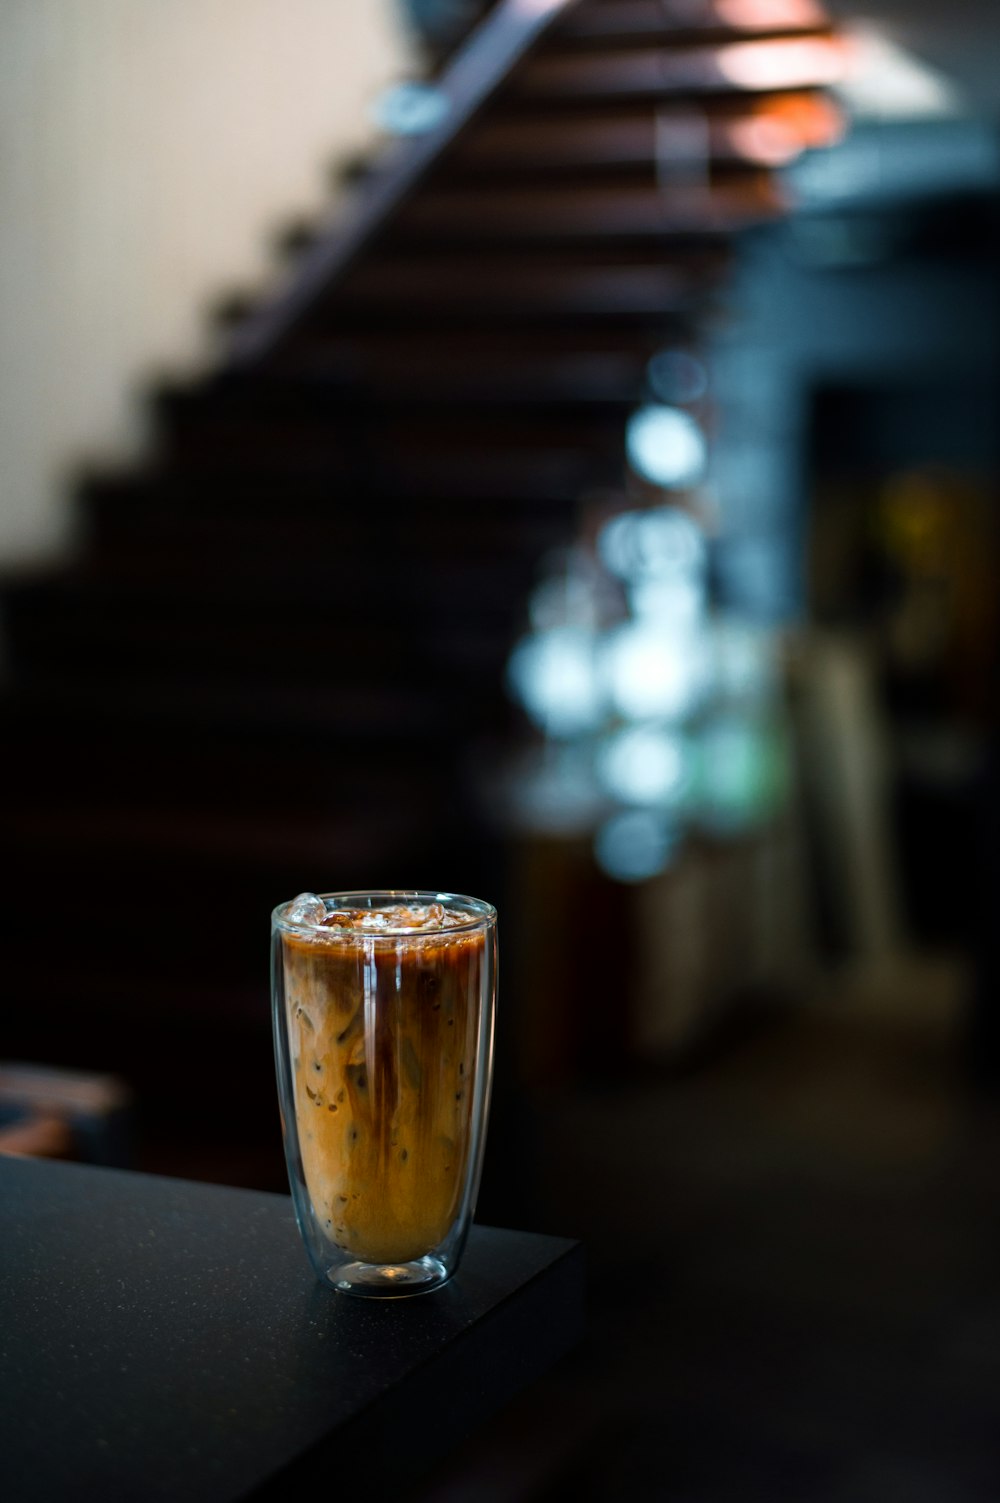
307,908
373,919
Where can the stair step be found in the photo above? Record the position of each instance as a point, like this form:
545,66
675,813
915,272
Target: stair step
253,595
132,514
267,719
371,440
374,478
343,713
505,366
373,474
492,288
479,308
202,678
521,363
250,510
732,66
228,753
380,621
229,839
556,215
421,378
208,695
734,130
334,413
234,308
341,408
257,584
605,22
128,1002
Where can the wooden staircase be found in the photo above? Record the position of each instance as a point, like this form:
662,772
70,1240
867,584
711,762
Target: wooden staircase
281,642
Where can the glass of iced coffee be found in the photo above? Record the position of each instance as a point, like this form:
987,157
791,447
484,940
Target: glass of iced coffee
383,1009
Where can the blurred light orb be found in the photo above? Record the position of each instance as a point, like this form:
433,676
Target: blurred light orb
783,63
768,139
677,376
769,14
618,545
644,765
744,661
651,673
562,599
410,109
553,675
666,446
555,794
759,576
655,544
742,773
678,603
635,845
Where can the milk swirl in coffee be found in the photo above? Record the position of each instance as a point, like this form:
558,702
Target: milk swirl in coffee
382,1010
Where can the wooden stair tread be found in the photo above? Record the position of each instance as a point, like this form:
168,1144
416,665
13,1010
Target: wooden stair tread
200,665
120,993
306,409
476,475
303,583
541,213
551,478
207,833
195,658
363,433
524,363
733,65
138,771
245,537
250,512
582,142
237,714
604,21
492,285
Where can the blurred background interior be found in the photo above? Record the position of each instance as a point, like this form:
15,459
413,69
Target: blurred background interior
544,450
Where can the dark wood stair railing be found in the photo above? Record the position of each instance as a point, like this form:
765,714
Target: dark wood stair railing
496,45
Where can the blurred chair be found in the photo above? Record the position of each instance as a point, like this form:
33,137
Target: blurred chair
64,1114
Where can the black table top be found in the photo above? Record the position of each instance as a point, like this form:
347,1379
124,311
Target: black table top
164,1339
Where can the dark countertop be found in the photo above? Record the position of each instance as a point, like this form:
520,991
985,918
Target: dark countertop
165,1339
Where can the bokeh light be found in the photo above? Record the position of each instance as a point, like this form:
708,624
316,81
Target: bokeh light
645,765
666,446
553,675
636,845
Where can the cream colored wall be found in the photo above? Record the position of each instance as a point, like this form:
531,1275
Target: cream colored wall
147,150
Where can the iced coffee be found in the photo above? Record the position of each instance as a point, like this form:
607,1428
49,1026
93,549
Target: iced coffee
387,1012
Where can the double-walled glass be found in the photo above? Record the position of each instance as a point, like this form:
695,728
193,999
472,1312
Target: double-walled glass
383,1009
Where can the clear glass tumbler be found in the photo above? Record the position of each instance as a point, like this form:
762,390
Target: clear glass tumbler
383,1010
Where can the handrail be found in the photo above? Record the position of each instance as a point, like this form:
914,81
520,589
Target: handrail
478,68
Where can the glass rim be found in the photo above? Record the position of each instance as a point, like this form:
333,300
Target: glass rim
482,913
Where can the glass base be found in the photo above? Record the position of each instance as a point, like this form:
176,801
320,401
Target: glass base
389,1280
